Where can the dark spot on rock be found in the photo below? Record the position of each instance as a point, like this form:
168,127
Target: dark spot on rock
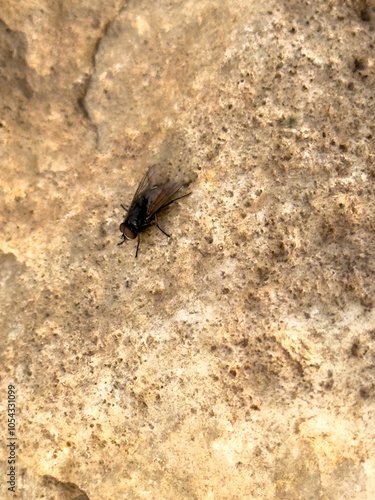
366,301
365,15
244,342
328,384
364,393
359,64
355,349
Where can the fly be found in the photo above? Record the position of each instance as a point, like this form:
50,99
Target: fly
147,202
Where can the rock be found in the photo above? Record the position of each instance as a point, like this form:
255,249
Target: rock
235,359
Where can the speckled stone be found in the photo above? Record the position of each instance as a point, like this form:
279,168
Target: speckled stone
235,360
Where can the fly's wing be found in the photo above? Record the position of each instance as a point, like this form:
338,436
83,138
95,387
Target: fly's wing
147,184
161,197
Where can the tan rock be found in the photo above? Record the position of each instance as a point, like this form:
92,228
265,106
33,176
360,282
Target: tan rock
234,360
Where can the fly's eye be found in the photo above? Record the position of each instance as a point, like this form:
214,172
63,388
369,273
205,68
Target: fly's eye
127,232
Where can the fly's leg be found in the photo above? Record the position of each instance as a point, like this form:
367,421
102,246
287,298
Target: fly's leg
166,234
157,225
136,253
122,206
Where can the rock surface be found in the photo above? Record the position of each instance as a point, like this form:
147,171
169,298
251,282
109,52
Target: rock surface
236,359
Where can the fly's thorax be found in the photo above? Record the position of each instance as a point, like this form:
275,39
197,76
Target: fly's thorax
136,216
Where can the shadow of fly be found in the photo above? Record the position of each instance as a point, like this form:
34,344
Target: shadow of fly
147,202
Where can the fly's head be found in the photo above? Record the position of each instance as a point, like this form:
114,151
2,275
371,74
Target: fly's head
128,232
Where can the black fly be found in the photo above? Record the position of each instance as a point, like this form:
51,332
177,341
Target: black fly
148,200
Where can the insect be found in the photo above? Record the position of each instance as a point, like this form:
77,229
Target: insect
147,202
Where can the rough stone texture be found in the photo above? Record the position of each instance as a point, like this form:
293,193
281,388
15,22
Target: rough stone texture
237,359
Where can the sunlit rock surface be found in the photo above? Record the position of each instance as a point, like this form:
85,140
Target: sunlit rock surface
236,359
